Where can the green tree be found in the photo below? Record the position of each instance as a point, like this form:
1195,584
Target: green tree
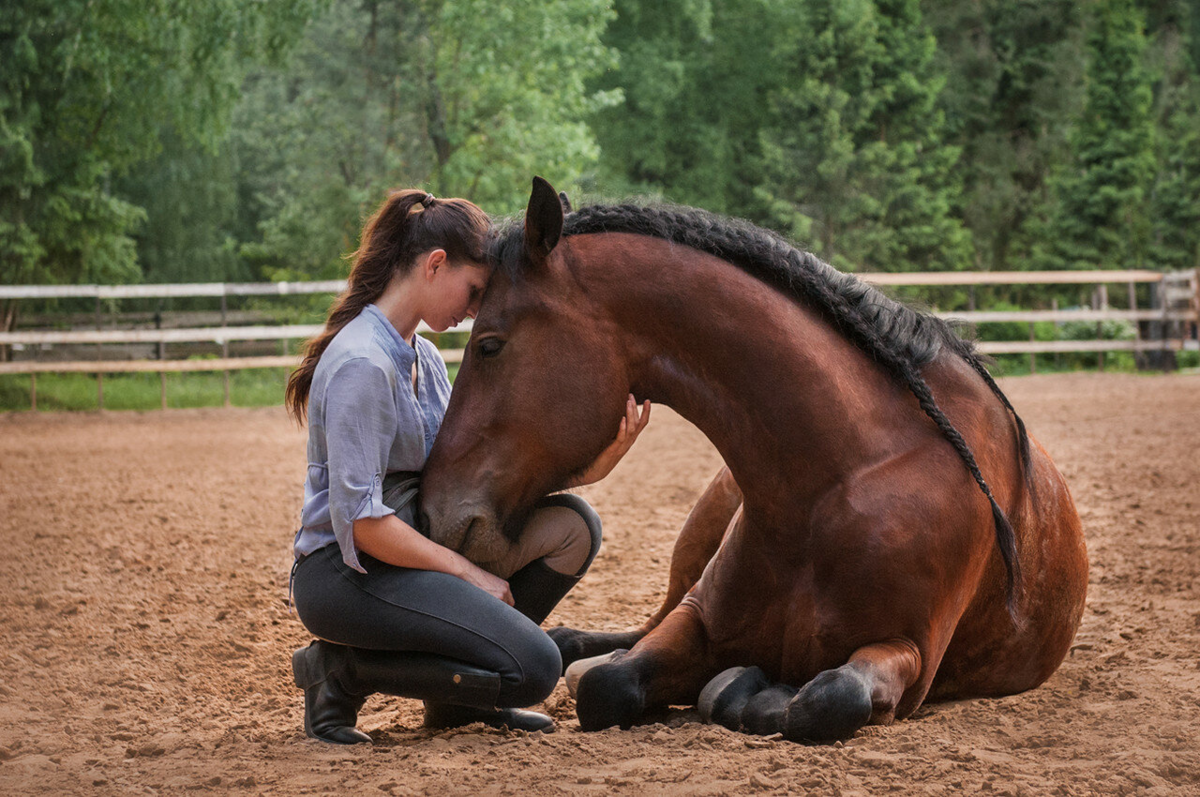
695,77
189,198
1175,200
85,88
1015,84
1102,216
855,156
465,97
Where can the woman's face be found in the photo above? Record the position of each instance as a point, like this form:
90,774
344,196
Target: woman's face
455,291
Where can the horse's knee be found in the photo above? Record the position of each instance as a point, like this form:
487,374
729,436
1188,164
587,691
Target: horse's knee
608,695
830,707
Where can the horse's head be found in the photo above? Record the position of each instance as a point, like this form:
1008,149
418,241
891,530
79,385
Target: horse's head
539,395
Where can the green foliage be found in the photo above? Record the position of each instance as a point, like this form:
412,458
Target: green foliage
190,200
695,77
1175,203
464,97
217,140
1102,218
1015,84
856,156
85,88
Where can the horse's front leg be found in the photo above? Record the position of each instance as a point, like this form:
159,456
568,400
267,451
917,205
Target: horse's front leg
668,666
832,706
697,542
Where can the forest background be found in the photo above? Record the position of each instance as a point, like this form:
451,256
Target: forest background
169,141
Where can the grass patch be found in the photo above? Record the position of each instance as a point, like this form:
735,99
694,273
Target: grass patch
56,392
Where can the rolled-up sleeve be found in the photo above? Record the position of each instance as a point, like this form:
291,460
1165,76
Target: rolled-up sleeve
360,425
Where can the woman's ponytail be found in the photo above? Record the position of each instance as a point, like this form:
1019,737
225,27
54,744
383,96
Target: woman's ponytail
405,225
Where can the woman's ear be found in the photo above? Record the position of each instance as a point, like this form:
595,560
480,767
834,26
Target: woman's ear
432,262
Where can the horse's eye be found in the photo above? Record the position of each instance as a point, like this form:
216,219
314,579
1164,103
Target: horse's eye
490,347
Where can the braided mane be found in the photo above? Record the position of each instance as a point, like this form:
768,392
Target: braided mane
897,337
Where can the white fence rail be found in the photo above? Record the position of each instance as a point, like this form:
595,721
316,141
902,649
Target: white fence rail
1177,306
164,291
186,335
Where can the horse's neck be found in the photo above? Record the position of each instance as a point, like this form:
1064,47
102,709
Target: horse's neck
786,399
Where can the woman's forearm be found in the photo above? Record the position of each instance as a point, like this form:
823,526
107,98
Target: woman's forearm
389,539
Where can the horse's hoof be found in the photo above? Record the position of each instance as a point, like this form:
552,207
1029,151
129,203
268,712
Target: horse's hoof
577,669
723,699
764,713
607,695
830,707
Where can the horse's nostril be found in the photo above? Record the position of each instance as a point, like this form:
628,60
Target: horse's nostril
466,531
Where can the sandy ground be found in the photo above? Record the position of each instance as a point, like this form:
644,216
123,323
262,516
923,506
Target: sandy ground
146,634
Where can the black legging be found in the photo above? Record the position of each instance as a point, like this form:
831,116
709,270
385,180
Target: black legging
400,609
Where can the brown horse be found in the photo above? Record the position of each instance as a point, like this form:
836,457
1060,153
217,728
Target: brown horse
852,560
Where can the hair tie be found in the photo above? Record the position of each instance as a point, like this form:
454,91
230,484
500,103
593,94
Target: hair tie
427,200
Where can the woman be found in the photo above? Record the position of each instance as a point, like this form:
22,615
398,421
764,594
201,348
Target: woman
395,612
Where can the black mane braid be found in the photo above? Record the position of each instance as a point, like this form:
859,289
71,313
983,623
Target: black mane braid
899,338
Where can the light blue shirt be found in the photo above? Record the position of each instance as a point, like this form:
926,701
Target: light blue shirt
365,422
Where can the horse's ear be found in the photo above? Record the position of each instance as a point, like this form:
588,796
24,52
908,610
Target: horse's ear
564,201
543,221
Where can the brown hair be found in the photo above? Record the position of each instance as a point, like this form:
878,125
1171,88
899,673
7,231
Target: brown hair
407,223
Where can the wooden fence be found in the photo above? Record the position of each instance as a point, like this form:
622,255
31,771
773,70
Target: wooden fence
1172,319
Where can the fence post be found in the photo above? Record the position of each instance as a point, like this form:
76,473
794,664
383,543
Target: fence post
99,357
225,344
1032,355
1057,332
162,388
33,392
225,373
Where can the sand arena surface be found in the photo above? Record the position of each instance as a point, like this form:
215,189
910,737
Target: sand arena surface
147,640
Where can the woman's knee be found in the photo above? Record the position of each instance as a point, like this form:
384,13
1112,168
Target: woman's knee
539,668
594,532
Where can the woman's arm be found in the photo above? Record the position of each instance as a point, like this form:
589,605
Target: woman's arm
389,539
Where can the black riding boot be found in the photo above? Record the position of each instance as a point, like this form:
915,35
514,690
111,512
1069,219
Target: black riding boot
536,590
330,708
337,679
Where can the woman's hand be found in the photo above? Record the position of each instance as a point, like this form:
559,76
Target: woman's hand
492,585
631,426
